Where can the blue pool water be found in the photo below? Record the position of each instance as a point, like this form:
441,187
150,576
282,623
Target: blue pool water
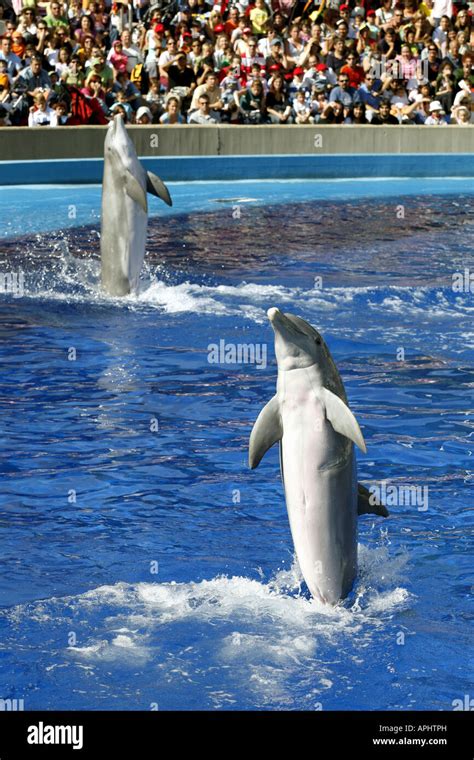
143,566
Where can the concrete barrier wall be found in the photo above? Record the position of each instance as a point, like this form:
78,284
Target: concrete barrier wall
27,144
74,154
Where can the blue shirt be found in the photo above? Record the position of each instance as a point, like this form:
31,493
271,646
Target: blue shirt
347,97
14,63
370,97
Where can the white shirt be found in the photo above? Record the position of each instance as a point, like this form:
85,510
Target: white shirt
442,8
38,118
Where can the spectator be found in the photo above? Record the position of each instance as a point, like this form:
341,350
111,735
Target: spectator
117,58
371,92
384,116
144,115
41,115
212,90
204,115
252,104
445,86
358,114
334,113
301,109
278,105
344,93
13,61
172,114
437,116
35,78
181,77
462,116
55,18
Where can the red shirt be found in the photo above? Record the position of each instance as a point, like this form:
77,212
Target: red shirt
356,75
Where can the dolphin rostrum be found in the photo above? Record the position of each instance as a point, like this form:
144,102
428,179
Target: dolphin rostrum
124,211
310,418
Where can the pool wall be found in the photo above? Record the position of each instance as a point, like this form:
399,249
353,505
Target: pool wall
187,153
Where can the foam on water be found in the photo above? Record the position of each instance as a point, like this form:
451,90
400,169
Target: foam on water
278,609
252,634
72,279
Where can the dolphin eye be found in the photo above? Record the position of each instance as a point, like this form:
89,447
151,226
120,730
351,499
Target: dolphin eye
318,341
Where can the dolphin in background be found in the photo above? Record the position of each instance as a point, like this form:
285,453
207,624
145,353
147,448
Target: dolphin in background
124,211
316,430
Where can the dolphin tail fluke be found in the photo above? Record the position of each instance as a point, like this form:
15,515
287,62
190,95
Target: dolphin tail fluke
266,431
367,503
342,419
156,186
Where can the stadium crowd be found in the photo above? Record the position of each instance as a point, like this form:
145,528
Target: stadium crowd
236,61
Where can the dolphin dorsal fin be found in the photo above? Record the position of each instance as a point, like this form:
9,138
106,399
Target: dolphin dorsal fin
266,431
135,191
368,504
156,186
342,419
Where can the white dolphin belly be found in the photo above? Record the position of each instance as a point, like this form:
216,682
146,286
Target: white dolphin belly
321,493
123,240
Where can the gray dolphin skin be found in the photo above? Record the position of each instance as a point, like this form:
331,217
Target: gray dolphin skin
316,430
124,211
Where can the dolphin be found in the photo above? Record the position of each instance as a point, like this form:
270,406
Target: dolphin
124,211
317,431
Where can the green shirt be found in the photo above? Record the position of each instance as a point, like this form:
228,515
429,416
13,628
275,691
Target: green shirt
53,22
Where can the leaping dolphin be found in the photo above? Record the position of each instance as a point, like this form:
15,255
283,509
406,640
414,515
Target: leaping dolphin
124,211
310,418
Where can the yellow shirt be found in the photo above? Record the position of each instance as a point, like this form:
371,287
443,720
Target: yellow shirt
423,8
258,17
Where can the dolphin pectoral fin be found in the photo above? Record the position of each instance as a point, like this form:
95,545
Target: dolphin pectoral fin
266,431
156,186
342,419
135,191
367,503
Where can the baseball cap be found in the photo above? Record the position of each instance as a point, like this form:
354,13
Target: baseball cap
435,105
159,28
321,67
298,71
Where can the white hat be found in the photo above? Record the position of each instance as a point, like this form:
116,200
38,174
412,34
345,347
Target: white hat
436,106
358,11
144,111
